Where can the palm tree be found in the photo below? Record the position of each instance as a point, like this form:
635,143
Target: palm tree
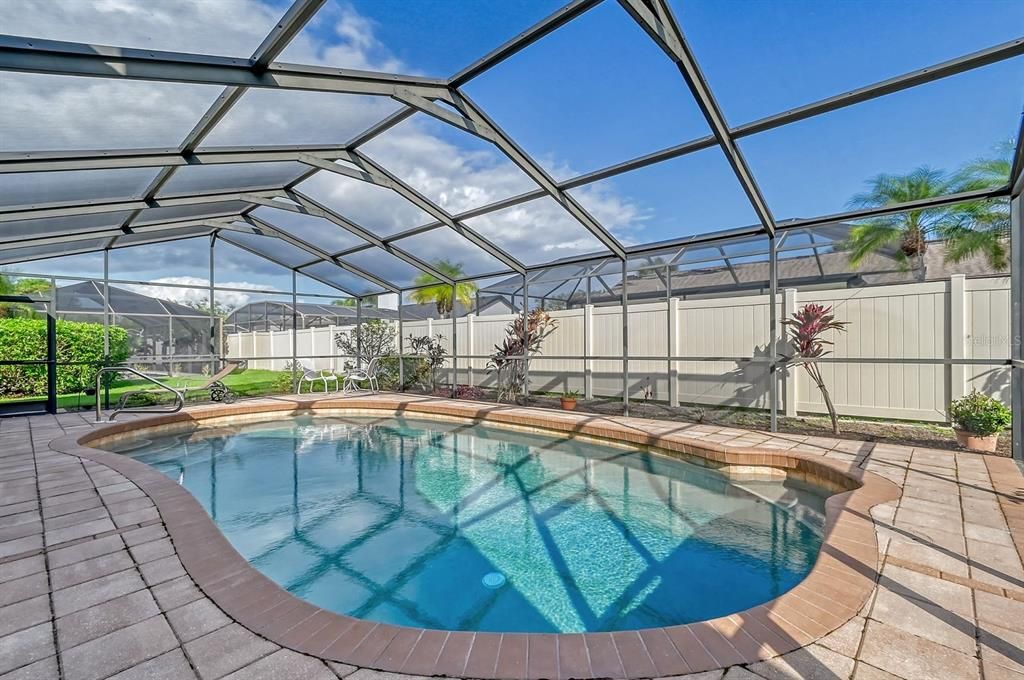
985,225
351,302
441,294
910,230
972,228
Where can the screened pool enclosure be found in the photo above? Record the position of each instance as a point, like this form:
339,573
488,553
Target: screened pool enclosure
668,191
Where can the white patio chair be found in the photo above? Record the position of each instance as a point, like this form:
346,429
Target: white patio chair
311,374
367,373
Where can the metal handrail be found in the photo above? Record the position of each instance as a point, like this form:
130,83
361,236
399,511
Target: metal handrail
179,397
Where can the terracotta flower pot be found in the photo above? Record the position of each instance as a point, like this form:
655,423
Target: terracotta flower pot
977,442
568,404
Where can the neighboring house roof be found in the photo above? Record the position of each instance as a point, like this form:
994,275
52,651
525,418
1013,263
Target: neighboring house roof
253,312
87,297
717,273
256,310
805,268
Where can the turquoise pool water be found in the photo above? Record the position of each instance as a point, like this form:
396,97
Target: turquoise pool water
470,527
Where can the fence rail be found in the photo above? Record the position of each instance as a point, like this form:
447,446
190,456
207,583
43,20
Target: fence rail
908,351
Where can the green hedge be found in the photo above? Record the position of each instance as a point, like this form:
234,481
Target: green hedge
25,339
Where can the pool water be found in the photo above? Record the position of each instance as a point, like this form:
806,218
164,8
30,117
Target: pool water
470,527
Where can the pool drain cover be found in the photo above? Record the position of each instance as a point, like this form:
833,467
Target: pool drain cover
494,579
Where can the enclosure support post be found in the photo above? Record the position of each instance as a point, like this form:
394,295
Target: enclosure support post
526,340
789,374
359,333
957,335
295,326
1017,316
213,326
401,349
106,320
471,349
773,340
625,341
51,357
588,347
455,346
672,351
106,304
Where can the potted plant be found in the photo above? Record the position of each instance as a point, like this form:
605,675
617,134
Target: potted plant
977,421
569,400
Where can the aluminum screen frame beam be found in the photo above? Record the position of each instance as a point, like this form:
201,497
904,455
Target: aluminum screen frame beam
127,158
268,258
534,171
300,12
1017,166
110,231
899,83
49,210
374,173
309,206
1017,316
32,55
323,255
663,28
89,159
531,35
94,249
896,208
906,81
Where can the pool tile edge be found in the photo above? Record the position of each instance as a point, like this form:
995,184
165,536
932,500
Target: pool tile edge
834,590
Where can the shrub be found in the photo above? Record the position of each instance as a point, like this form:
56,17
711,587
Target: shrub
980,414
366,341
415,371
285,382
25,339
434,355
522,337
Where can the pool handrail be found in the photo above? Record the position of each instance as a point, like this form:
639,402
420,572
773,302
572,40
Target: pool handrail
179,397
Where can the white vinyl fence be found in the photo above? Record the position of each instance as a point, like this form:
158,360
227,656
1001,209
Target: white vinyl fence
710,338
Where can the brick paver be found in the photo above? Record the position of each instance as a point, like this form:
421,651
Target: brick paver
91,586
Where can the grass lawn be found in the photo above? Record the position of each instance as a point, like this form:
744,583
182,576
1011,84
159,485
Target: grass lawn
249,383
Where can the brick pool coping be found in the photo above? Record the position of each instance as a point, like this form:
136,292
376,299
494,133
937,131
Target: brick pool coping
833,592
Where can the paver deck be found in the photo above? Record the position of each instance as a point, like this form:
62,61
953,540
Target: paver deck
93,586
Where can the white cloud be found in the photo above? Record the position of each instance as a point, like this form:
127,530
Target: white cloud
456,170
229,27
195,296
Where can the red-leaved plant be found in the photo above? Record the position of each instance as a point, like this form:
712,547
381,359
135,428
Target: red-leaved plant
807,327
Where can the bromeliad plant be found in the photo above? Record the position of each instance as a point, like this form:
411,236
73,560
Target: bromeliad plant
807,328
510,361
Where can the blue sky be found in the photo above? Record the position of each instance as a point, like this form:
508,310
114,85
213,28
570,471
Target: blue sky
594,93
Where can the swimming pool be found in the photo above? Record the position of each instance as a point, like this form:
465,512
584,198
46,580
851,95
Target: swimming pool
462,526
